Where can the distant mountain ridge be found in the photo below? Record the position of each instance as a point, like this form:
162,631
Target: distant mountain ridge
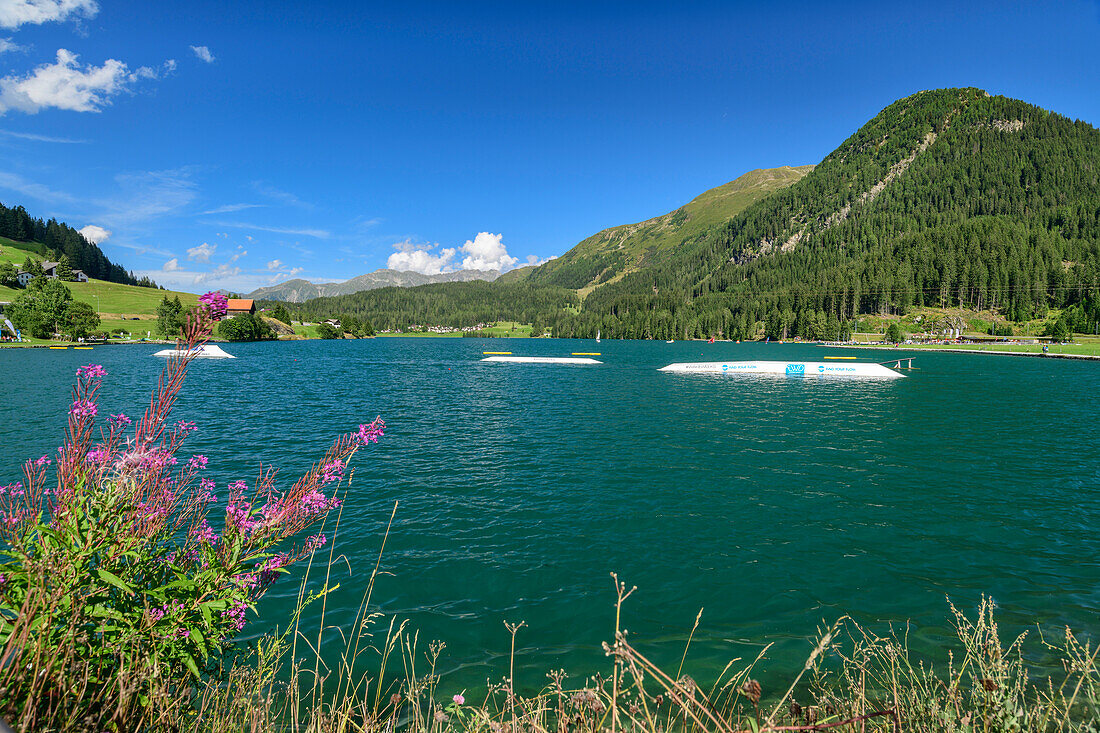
299,291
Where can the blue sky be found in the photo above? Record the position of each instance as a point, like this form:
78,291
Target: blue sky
239,144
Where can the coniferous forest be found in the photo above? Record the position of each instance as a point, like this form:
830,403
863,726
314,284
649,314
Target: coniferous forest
946,198
54,239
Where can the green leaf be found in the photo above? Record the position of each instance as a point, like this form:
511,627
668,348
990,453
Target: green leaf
109,577
196,637
189,661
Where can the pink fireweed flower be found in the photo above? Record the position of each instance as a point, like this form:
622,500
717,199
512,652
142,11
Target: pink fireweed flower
235,616
459,699
185,426
238,486
117,421
371,433
332,472
15,489
91,371
215,305
314,502
204,535
197,462
43,461
237,515
83,409
272,511
98,456
315,542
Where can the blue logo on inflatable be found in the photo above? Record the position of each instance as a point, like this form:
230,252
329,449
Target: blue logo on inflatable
725,367
821,368
796,369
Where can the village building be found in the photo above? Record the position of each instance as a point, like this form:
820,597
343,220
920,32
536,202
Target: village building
49,269
239,306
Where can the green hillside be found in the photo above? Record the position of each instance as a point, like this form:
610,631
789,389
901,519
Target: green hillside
128,307
608,255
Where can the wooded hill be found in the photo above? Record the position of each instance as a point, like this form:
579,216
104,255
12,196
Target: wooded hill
949,198
52,239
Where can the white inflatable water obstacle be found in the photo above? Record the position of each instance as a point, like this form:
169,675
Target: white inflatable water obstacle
787,368
205,351
543,359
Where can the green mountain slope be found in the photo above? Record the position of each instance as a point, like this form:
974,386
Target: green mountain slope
948,197
54,239
613,252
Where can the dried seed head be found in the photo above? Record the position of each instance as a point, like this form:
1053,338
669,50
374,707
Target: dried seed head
441,717
989,685
796,710
395,699
751,690
688,684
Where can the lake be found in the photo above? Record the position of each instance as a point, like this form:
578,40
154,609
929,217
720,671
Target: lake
773,504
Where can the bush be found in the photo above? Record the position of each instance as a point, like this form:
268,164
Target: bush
246,327
117,594
327,331
895,334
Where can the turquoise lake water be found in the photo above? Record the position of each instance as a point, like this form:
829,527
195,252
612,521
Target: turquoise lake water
774,504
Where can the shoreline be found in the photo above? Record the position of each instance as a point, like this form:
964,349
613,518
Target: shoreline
953,350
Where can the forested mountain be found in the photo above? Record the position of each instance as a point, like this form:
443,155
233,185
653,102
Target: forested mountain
447,304
950,198
298,290
53,239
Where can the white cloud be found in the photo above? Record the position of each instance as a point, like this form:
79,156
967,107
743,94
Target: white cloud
201,253
148,195
40,138
15,182
275,265
14,13
318,233
230,208
276,194
203,53
411,257
68,85
95,234
171,265
7,46
534,261
221,272
487,252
